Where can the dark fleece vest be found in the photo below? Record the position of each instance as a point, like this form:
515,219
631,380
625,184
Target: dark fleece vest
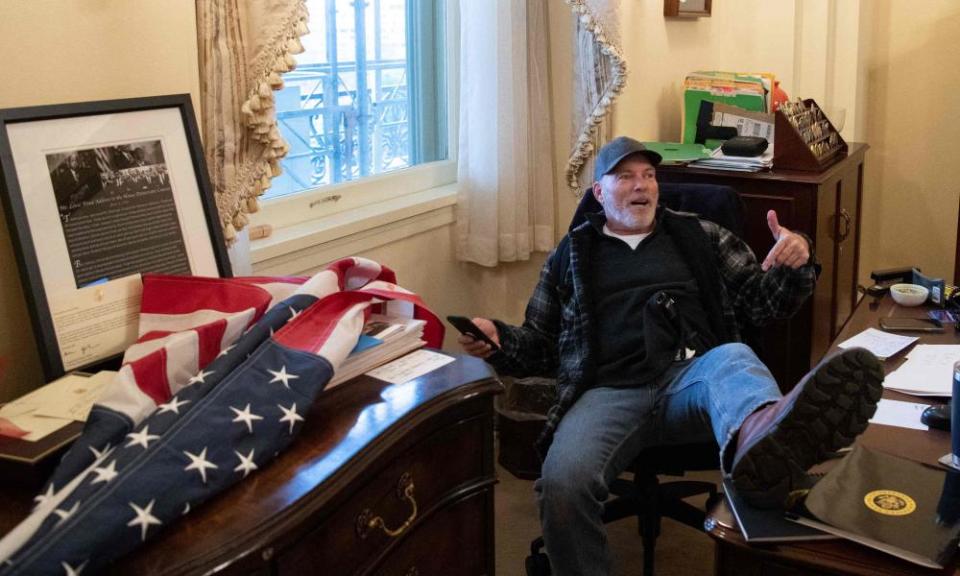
664,333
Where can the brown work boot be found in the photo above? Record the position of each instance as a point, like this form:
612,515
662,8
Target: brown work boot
826,411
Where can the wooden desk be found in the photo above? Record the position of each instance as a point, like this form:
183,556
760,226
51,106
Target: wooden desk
735,557
306,512
825,206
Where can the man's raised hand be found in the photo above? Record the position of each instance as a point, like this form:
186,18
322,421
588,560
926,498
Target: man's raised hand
790,249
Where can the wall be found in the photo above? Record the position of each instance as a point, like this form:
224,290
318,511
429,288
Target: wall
913,83
73,51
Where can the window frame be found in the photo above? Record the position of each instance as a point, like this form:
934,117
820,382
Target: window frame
340,199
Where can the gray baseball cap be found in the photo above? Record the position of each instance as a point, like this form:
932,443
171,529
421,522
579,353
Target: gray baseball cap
616,150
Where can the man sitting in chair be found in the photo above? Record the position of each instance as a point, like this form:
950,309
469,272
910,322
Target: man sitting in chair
636,315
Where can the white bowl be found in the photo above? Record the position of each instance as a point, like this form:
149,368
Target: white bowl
909,294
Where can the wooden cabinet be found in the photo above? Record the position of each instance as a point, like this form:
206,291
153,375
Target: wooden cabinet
383,479
826,206
441,478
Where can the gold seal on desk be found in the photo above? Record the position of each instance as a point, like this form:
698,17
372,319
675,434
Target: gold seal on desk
890,502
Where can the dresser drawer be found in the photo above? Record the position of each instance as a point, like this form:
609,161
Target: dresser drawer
452,542
405,494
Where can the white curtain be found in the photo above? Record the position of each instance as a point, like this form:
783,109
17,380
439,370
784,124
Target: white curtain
599,75
506,171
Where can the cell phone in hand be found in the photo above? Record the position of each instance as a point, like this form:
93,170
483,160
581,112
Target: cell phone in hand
466,326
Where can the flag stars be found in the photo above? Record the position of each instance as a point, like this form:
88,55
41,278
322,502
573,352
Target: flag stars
41,499
226,350
290,415
200,377
293,313
282,376
186,509
246,417
144,519
102,452
172,406
200,463
246,464
69,570
105,473
141,438
65,514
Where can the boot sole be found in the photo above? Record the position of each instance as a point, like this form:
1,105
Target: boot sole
834,407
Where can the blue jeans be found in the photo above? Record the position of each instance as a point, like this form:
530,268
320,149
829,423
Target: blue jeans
694,401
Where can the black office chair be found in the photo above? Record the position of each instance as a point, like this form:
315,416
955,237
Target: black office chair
643,495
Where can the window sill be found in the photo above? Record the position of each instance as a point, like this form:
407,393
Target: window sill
301,247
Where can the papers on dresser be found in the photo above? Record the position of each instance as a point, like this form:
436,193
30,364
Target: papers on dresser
882,344
928,371
384,338
403,370
55,405
721,161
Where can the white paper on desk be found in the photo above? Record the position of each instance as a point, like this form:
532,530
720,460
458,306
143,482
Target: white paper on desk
51,407
882,344
411,366
928,371
96,322
900,414
75,395
39,427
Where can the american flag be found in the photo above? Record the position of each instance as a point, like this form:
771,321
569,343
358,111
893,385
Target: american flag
216,386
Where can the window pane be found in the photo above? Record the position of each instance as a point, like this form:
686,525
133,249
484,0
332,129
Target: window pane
368,95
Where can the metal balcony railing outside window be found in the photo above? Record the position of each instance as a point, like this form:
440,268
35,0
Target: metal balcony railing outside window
347,119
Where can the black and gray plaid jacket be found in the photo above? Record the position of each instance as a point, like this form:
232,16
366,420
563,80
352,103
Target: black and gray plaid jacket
556,337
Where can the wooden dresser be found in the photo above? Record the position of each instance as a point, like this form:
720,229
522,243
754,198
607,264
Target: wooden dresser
825,206
384,479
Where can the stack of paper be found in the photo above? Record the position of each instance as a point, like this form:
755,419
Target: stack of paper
882,344
720,161
51,407
384,338
928,371
749,92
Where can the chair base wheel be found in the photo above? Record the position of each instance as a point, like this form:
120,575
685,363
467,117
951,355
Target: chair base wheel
538,565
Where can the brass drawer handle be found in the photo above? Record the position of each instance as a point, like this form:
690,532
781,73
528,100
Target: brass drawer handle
366,521
847,222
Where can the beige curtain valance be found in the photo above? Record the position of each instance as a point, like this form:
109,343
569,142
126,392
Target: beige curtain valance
600,73
245,45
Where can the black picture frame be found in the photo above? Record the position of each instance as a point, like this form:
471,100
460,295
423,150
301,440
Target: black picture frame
105,140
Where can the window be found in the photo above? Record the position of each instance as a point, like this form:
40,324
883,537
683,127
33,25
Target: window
365,112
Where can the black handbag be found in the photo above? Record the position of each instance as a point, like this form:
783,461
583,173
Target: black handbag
744,146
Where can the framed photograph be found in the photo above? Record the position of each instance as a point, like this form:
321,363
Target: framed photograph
686,8
96,194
